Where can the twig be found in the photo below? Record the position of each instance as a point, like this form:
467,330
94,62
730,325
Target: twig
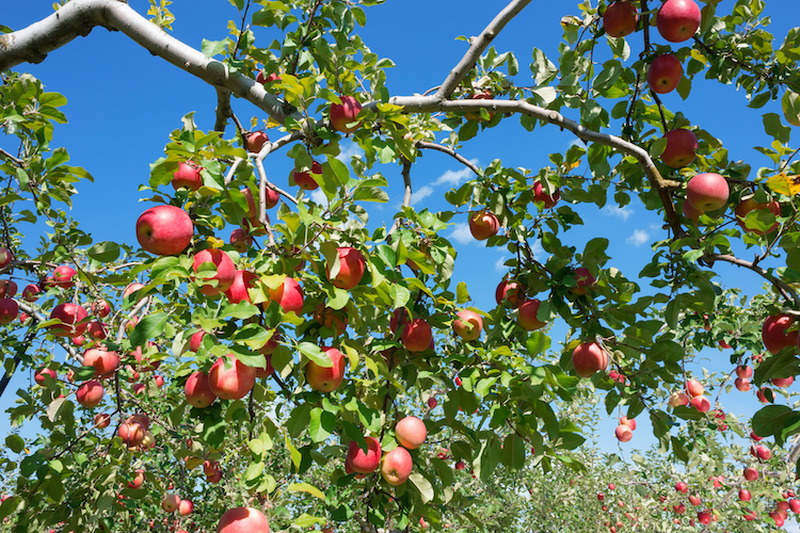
447,150
786,291
17,161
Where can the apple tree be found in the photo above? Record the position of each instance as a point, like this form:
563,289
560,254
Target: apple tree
268,353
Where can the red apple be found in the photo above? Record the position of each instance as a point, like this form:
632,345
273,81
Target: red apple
263,78
397,466
630,422
417,335
794,506
31,292
694,388
700,403
620,19
690,212
704,517
40,374
745,372
105,363
750,473
782,382
239,289
71,316
540,195
224,271
164,230
89,394
588,358
133,288
749,204
243,520
411,432
362,461
195,340
483,224
185,507
5,257
681,148
132,432
707,191
509,293
681,486
101,308
742,384
289,295
678,20
761,395
63,276
137,482
583,281
96,330
187,175
230,379
623,433
343,116
468,325
7,288
240,240
527,315
9,310
333,320
304,178
326,379
476,115
762,452
694,500
255,140
774,333
664,74
198,391
170,503
351,268
744,495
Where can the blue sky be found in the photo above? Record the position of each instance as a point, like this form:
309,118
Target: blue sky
123,102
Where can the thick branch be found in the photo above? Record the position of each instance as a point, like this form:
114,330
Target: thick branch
407,194
477,46
78,17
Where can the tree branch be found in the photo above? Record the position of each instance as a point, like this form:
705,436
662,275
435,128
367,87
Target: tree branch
786,291
79,17
406,195
449,151
477,46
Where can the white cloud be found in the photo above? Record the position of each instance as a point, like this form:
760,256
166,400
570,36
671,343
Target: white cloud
455,177
619,212
499,265
538,251
421,193
461,234
639,237
319,197
348,150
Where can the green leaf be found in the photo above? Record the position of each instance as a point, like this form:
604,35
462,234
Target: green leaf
772,419
148,328
315,353
15,443
105,252
212,48
322,424
774,128
308,488
423,486
462,294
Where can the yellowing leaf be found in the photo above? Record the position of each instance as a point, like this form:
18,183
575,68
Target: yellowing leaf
306,487
788,185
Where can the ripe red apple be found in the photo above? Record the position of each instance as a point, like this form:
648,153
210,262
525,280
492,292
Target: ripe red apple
164,230
195,340
701,403
304,178
745,372
630,422
187,175
681,486
694,388
288,295
620,19
588,358
132,432
782,382
750,473
483,224
89,394
749,204
102,420
678,20
707,191
681,148
664,74
63,276
761,395
694,500
742,384
185,507
468,325
343,116
105,363
690,212
583,281
96,330
255,140
476,115
601,496
362,461
243,280
71,316
263,78
417,335
170,503
397,466
8,288
762,452
623,433
326,379
240,240
198,391
137,481
101,308
678,398
704,517
540,195
778,517
5,257
527,315
744,495
509,293
243,520
411,432
794,506
225,271
230,379
351,268
31,292
9,310
774,333
40,374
